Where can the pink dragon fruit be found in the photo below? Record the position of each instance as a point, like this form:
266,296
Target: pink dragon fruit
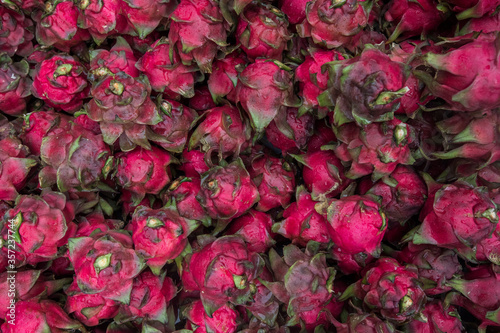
198,29
274,178
39,316
262,32
323,174
172,132
61,82
101,18
16,31
90,309
264,89
120,58
222,271
105,263
389,289
15,85
489,248
374,149
312,80
149,299
485,24
438,318
363,322
224,77
193,163
255,228
295,10
333,25
160,235
202,100
323,135
162,65
129,203
290,131
410,19
222,130
36,125
472,8
57,25
223,320
356,225
143,171
123,107
42,224
474,216
301,222
144,15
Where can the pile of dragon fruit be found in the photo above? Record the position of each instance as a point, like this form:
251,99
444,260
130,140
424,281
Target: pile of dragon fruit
220,166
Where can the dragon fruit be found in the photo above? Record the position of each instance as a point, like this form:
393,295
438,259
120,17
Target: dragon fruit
295,10
356,225
142,171
323,174
472,8
120,58
90,309
389,289
105,263
198,29
74,158
312,80
160,235
485,24
227,191
255,228
332,24
57,25
61,82
101,18
193,163
224,77
437,318
374,149
262,32
16,31
222,271
489,248
42,224
162,65
264,89
145,15
363,322
223,320
301,222
202,100
323,135
222,130
183,191
305,284
274,178
39,316
15,85
172,132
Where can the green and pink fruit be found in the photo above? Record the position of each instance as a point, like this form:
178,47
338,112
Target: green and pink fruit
224,77
120,58
145,15
364,323
472,8
15,85
160,235
485,24
295,10
184,191
16,31
193,163
202,100
199,30
437,318
255,228
61,82
224,320
101,17
105,264
489,248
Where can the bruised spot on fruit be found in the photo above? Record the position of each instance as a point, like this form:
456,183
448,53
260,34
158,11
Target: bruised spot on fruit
154,222
102,262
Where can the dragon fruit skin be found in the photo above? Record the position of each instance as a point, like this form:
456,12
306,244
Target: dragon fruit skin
41,315
142,171
223,320
198,28
202,100
363,322
473,89
160,235
183,191
262,32
101,18
489,248
295,10
334,26
95,258
60,81
36,125
145,15
15,86
89,309
485,24
255,228
323,135
474,217
301,222
193,163
57,25
16,32
412,18
224,77
222,130
356,225
389,289
439,319
120,58
264,88
223,271
472,8
167,73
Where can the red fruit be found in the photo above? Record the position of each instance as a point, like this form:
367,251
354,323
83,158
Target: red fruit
255,228
193,163
199,30
223,130
489,248
473,8
106,264
16,31
163,67
60,81
145,15
439,319
142,171
363,323
302,223
129,204
119,59
485,24
223,320
295,10
202,99
160,235
39,316
334,25
323,135
222,82
15,86
101,17
184,191
262,32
